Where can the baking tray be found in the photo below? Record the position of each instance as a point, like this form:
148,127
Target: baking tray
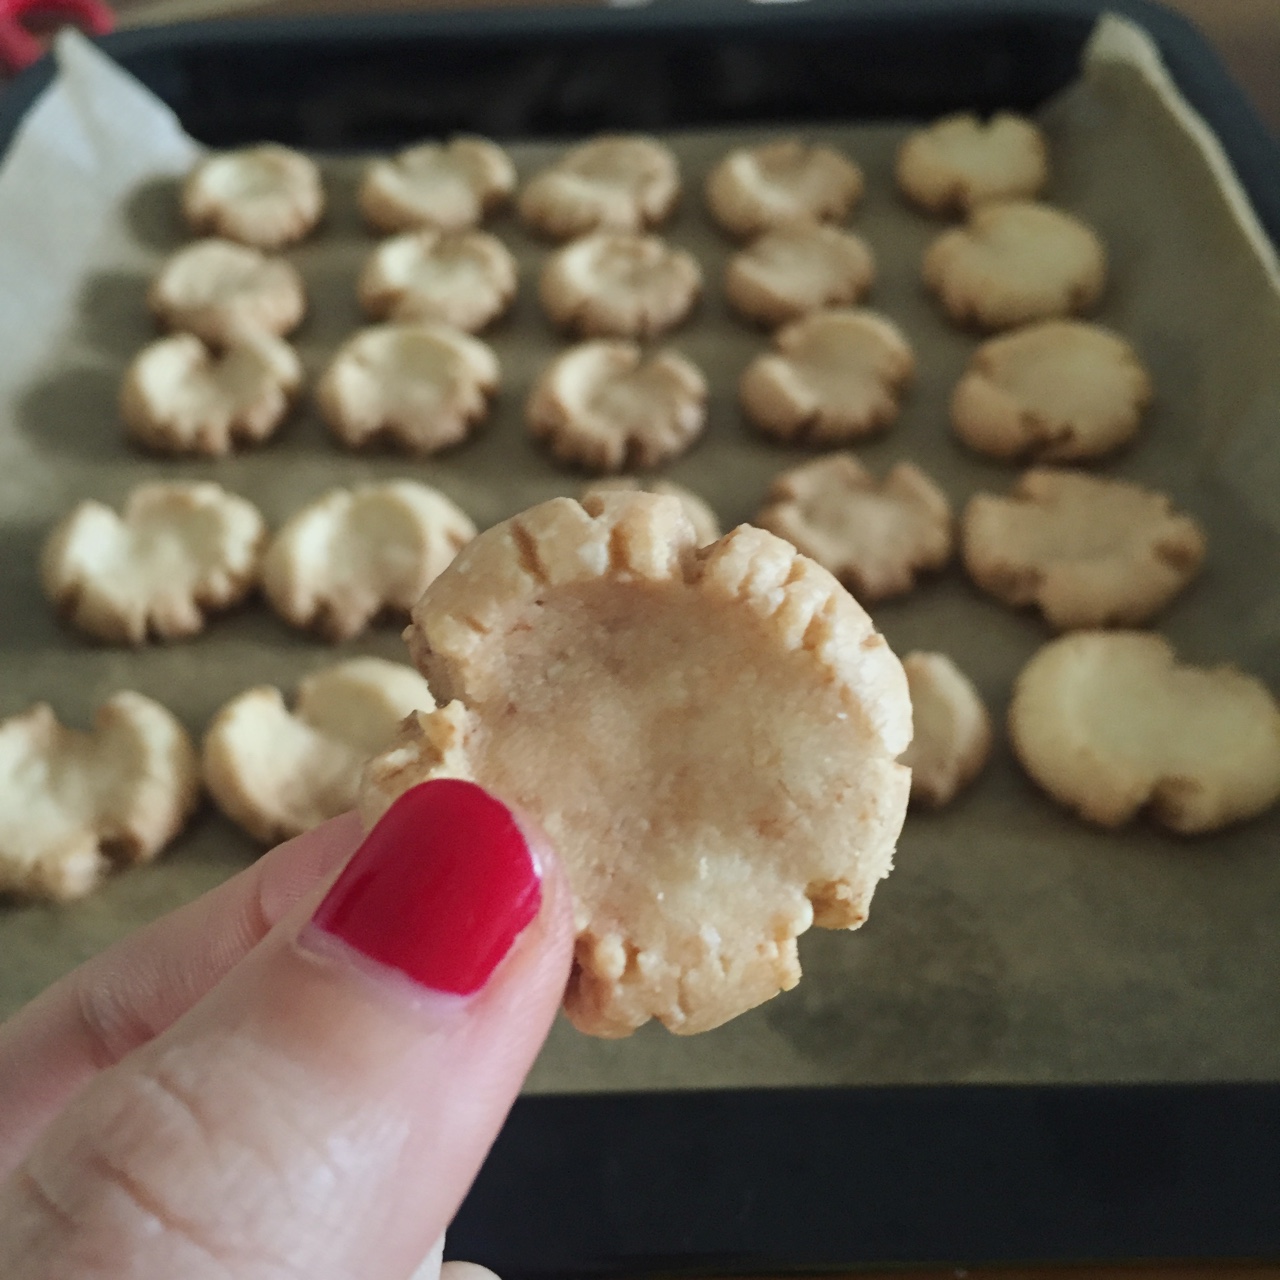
789,1178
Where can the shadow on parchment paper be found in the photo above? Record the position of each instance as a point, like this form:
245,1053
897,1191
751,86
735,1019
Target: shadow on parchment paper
27,623
862,1022
74,413
113,316
153,215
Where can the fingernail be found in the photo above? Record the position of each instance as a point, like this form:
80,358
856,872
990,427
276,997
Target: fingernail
439,890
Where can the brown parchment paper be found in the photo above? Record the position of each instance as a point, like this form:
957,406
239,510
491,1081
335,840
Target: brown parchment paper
1011,942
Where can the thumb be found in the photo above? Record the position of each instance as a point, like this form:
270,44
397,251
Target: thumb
322,1112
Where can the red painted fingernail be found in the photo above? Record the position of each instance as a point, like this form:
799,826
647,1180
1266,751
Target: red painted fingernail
439,890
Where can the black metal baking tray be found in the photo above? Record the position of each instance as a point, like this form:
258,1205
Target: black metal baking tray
788,1179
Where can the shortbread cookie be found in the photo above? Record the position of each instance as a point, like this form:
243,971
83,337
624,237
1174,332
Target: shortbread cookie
707,737
449,186
614,183
277,773
877,537
1016,261
1058,391
1110,724
420,386
755,188
464,278
705,522
603,406
356,553
799,268
178,552
1086,552
833,376
220,290
619,284
952,729
265,196
180,396
72,804
960,161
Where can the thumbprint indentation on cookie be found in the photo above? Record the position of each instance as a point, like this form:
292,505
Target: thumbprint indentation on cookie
357,553
877,537
1085,551
176,553
277,773
833,376
603,406
1110,724
267,196
74,803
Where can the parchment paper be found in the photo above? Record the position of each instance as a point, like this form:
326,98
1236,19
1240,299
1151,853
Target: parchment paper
1011,942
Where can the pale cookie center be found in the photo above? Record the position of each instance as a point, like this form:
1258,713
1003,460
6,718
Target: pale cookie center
703,745
865,526
1068,384
436,179
1087,532
251,179
411,372
448,269
841,369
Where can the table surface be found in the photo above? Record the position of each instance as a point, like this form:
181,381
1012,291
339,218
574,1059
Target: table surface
1246,34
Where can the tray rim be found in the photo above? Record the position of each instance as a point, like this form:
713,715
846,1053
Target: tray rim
1225,1175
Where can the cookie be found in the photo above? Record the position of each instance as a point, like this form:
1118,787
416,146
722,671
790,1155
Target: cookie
220,290
705,522
266,196
952,738
179,395
357,553
832,376
708,738
755,188
613,183
277,773
178,552
793,270
604,406
1013,262
876,537
73,804
446,186
619,284
1085,551
420,386
960,161
463,278
1057,391
1111,725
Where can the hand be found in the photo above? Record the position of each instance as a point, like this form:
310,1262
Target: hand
296,1075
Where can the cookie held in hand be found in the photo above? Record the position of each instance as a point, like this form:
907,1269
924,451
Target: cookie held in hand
266,196
832,376
959,161
755,188
617,182
420,386
357,553
1013,262
877,537
277,773
1111,725
177,552
603,406
220,291
445,186
1087,552
179,395
708,738
72,804
952,729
